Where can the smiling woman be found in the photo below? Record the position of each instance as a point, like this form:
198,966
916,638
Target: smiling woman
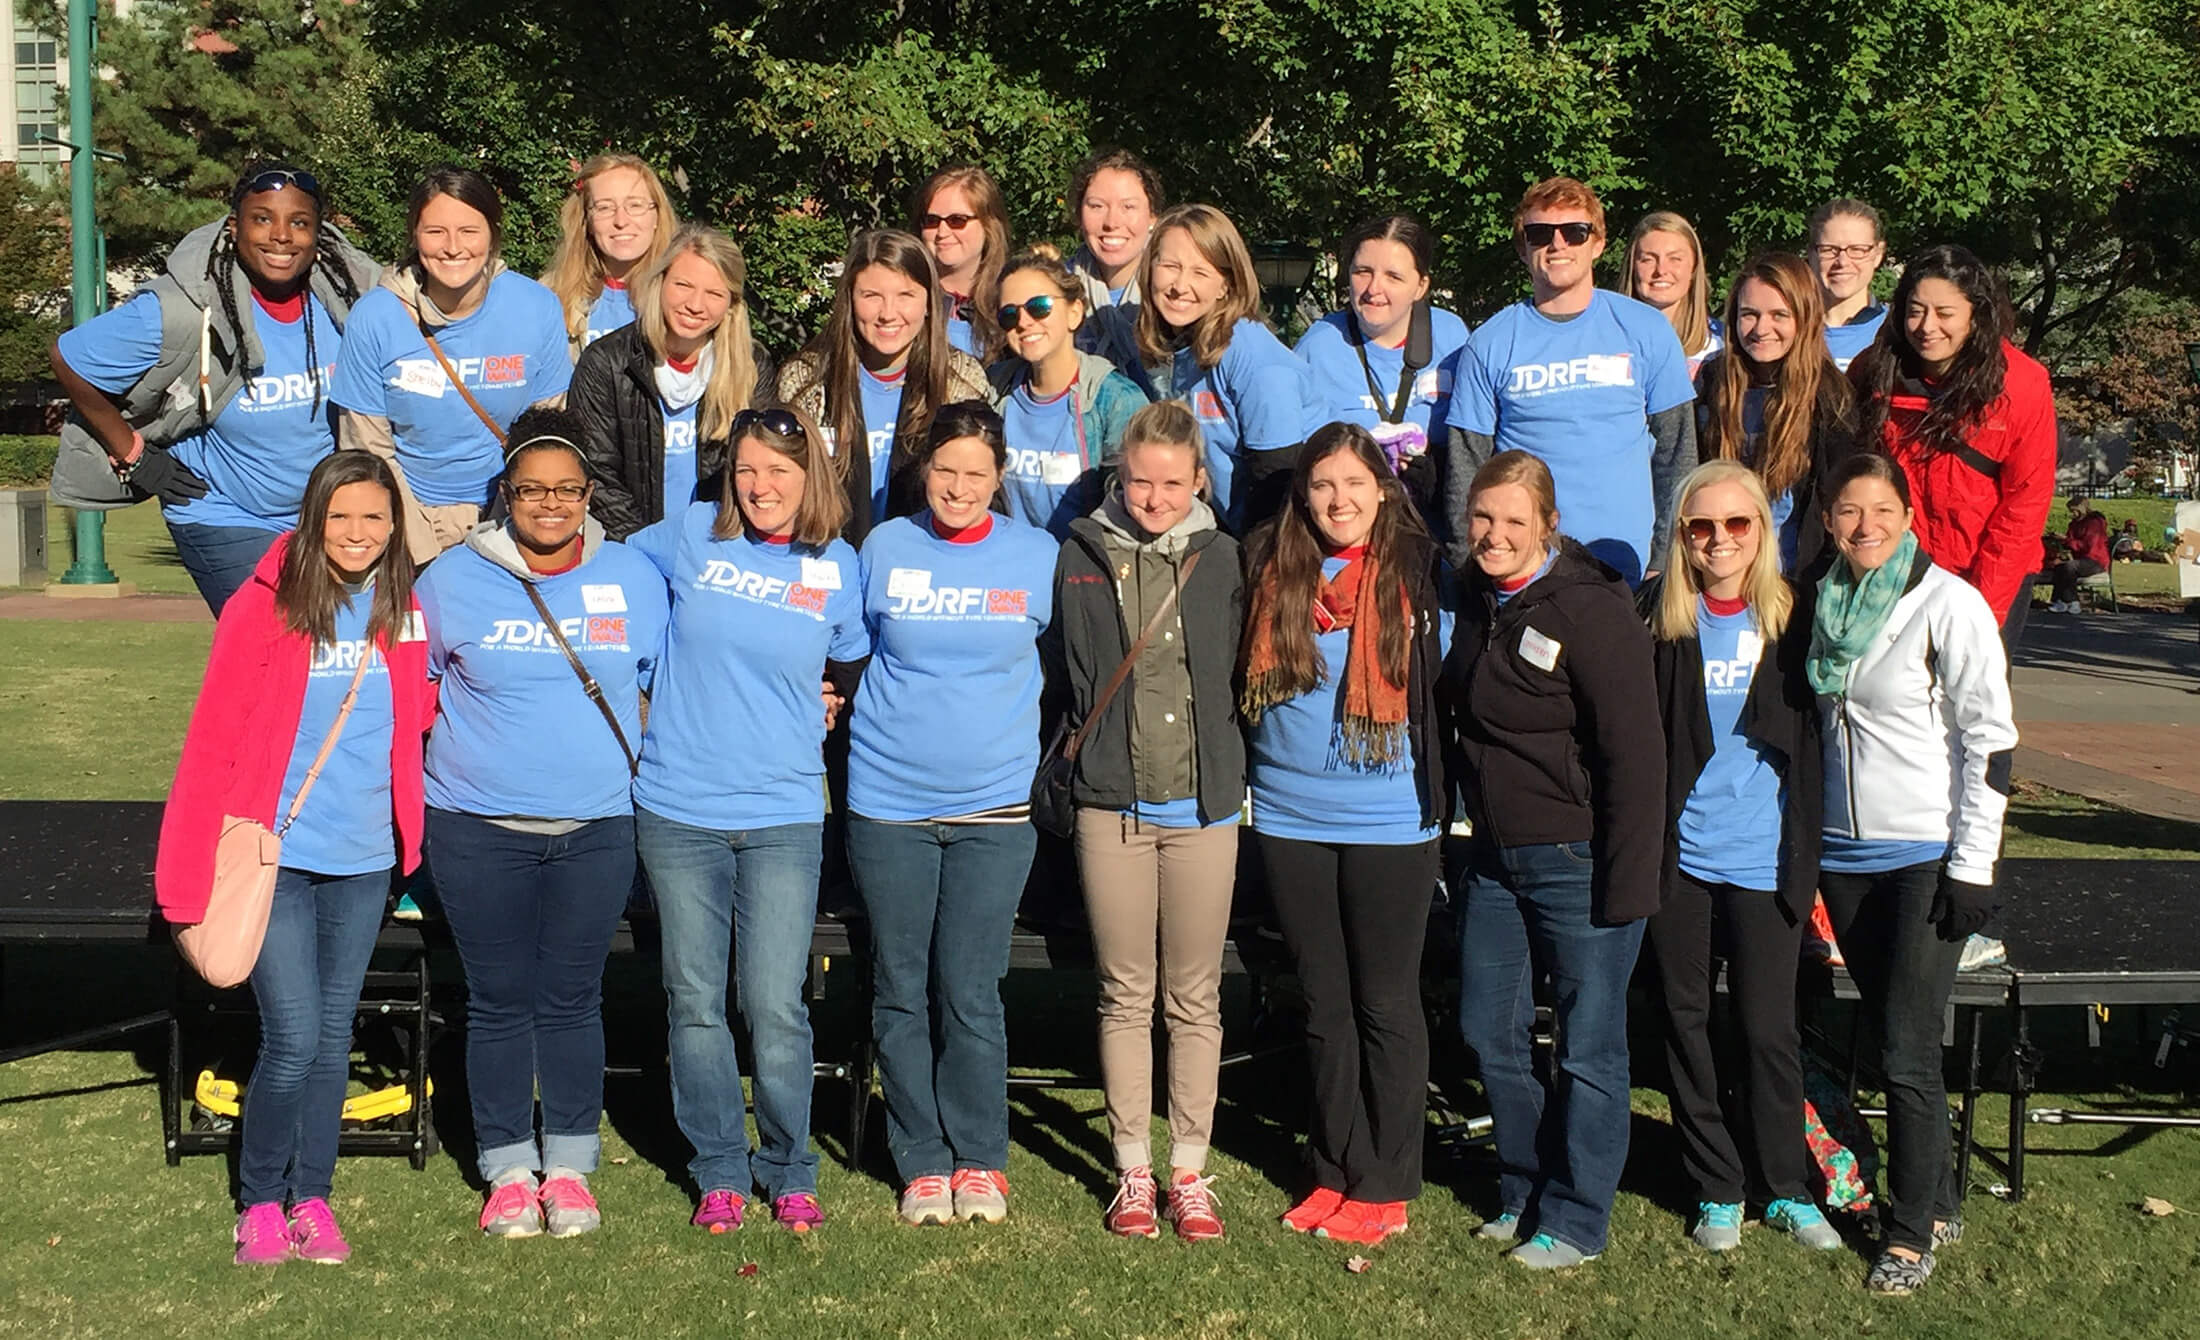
616,220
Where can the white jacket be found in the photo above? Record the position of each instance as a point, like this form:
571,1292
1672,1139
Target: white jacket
1927,705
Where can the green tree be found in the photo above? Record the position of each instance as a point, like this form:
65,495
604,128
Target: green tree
34,278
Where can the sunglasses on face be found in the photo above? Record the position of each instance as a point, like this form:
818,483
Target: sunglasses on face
1040,307
958,222
1702,528
1539,235
535,493
777,422
275,179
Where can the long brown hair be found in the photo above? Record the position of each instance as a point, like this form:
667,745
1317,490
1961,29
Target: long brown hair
1290,548
307,592
824,505
992,210
733,357
1218,240
1973,381
1806,389
835,361
576,272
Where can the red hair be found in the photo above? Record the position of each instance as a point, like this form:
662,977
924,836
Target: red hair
1560,193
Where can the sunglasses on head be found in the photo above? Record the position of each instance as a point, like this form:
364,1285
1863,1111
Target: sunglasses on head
1539,235
1040,307
777,422
1702,528
958,222
275,179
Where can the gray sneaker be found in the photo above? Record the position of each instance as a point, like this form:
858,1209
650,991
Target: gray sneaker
1898,1275
1718,1226
568,1210
981,1195
512,1210
1804,1222
1544,1252
1504,1228
927,1200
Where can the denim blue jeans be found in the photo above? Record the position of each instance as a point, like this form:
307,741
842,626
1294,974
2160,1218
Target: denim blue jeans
320,934
942,904
220,559
533,916
750,897
1560,1150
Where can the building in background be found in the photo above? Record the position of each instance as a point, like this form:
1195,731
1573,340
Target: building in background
31,65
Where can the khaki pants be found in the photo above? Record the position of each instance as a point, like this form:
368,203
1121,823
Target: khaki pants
1151,889
429,529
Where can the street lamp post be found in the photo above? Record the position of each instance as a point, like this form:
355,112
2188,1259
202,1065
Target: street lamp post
88,279
1283,269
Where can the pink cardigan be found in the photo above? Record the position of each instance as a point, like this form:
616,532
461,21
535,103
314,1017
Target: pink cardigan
242,730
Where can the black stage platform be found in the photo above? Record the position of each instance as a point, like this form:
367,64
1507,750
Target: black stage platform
2109,932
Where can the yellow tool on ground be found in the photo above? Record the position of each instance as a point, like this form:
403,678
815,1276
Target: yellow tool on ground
220,1097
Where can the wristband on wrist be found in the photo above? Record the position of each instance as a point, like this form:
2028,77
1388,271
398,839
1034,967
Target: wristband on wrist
129,462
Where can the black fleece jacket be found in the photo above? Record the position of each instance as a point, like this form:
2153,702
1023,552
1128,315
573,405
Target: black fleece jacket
614,391
1547,702
1780,716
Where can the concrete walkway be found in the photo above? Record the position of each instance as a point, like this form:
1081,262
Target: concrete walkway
2108,706
103,609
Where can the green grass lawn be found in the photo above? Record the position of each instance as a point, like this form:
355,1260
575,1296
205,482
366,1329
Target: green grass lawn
99,1238
138,549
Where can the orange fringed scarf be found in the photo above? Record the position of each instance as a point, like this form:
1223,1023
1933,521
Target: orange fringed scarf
1372,731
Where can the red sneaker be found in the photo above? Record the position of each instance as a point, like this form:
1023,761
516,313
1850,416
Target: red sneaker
1364,1222
1311,1213
1192,1208
1131,1213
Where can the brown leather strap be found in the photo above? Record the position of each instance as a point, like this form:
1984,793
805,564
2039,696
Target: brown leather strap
1130,658
328,743
452,373
588,681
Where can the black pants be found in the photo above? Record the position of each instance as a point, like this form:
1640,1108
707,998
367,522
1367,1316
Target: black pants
1355,918
1904,972
2065,576
1761,944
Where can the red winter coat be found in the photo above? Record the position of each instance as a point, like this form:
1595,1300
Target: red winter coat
243,729
2088,537
1981,512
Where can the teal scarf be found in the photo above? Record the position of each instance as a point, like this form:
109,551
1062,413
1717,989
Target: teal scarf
1851,611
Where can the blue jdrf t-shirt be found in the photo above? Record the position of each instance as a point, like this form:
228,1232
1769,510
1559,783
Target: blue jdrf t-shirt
680,476
1047,456
1254,399
612,310
1730,827
1343,391
346,825
1848,340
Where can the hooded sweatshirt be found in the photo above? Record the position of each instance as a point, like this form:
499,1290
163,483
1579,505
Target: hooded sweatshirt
1057,445
251,728
510,352
516,735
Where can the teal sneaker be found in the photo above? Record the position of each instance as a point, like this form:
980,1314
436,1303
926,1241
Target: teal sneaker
1804,1222
1544,1252
1718,1226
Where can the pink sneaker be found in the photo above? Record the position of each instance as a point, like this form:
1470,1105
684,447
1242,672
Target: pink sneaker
568,1210
798,1211
263,1235
513,1209
720,1211
313,1228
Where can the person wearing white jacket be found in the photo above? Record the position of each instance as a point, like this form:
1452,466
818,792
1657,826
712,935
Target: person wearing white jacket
1913,691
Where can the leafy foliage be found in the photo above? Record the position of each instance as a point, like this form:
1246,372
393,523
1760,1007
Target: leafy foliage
34,278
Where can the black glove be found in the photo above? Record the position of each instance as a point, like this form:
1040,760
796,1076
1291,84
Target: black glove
1961,910
158,474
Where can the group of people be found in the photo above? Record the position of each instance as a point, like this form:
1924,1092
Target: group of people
1686,624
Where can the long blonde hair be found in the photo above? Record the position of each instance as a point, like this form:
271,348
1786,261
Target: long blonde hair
1691,316
576,272
1224,248
1770,600
733,358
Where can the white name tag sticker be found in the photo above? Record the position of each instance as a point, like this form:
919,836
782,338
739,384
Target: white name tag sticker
832,440
1060,469
1538,650
603,599
416,628
1749,648
908,582
420,376
821,574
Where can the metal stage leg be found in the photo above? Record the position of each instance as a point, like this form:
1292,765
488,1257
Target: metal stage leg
2020,1089
171,1090
1970,1107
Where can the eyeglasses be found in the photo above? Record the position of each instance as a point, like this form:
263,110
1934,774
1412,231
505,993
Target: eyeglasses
535,493
958,222
1859,251
1539,235
1040,307
1702,528
611,209
275,179
777,422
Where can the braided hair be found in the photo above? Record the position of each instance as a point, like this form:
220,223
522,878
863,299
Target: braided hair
222,257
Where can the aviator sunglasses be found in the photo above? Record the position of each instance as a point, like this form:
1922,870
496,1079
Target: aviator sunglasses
777,422
1539,235
1041,307
1702,528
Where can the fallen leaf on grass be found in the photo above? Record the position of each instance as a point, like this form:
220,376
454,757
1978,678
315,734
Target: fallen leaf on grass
622,1162
748,1268
54,1241
2156,1206
1358,1265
